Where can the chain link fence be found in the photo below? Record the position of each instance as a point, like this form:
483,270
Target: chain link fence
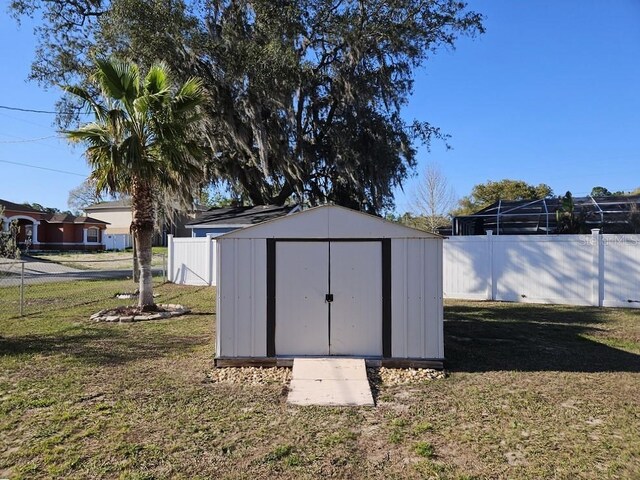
55,281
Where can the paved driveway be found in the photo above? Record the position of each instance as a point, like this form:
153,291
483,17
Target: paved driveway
37,271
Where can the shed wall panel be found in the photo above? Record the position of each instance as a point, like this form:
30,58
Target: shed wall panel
242,298
399,305
432,271
416,299
226,297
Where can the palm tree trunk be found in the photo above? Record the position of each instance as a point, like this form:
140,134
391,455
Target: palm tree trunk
144,240
143,221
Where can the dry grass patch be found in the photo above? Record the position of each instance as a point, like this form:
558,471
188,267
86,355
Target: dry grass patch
110,260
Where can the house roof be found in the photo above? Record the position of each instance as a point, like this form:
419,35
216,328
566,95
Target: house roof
240,216
17,207
125,204
327,222
67,218
122,203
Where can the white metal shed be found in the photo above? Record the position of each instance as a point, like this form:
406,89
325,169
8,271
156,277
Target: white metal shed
329,281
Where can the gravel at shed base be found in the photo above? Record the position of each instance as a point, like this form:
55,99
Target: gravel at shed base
404,376
271,375
250,375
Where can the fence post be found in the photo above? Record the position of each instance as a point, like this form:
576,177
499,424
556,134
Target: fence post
597,268
164,268
169,276
209,259
22,289
490,283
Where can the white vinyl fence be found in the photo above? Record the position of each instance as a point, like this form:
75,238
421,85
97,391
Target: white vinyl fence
116,241
600,270
191,261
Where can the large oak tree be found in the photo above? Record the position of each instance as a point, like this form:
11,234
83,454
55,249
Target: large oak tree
304,97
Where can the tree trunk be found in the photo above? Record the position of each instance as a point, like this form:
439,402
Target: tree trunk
144,240
143,213
136,270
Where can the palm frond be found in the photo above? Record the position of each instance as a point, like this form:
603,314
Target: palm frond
98,109
157,80
189,96
119,80
91,133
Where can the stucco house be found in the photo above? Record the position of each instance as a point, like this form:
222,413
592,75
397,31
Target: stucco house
117,213
41,230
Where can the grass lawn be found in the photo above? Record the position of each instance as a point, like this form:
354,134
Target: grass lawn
533,392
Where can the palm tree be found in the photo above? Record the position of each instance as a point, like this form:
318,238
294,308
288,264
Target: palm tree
142,142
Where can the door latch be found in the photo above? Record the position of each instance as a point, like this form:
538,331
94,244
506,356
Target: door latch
328,297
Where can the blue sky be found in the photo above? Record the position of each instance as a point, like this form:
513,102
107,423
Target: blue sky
549,94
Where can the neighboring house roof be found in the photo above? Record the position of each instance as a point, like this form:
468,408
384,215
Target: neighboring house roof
125,204
51,217
122,203
240,216
118,231
67,218
16,207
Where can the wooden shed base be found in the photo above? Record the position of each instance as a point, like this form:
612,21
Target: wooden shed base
223,362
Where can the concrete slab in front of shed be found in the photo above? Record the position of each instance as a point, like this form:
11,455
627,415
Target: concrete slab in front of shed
329,381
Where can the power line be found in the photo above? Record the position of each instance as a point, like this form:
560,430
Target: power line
42,168
30,110
18,118
17,109
27,140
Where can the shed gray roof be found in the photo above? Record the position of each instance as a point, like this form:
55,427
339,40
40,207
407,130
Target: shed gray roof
240,215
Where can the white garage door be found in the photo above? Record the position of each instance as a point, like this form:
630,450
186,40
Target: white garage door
310,323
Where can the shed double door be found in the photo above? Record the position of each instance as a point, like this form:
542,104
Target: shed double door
328,298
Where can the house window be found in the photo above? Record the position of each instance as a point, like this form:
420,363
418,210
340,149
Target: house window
92,235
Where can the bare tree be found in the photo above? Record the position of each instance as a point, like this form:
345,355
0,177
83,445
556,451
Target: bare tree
82,196
434,198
